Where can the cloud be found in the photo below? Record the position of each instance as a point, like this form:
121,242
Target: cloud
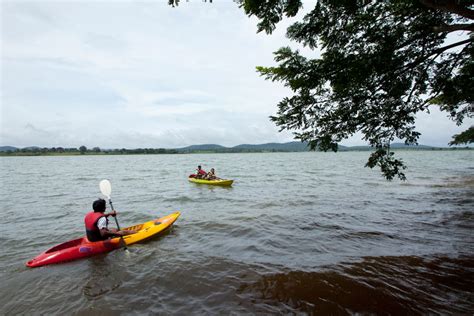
157,72
140,74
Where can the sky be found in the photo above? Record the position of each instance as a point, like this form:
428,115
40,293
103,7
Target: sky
136,74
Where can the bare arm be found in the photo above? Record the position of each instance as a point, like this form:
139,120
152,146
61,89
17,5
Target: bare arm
112,232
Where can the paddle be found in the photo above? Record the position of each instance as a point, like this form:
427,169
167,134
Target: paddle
106,189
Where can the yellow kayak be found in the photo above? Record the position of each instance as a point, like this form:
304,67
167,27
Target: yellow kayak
149,229
221,182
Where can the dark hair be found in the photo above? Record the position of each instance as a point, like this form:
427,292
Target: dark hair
199,167
99,205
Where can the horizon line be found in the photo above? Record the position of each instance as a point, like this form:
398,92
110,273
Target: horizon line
213,144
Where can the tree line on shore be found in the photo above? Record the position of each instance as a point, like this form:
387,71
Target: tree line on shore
37,151
83,150
208,148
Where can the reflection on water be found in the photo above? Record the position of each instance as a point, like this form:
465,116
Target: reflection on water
102,278
379,285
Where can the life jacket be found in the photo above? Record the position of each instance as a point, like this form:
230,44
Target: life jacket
92,231
201,172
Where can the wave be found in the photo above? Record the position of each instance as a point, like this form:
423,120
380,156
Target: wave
316,225
181,199
85,179
367,234
131,179
466,181
266,205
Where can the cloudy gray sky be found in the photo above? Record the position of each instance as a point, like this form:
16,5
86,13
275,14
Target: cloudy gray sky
143,74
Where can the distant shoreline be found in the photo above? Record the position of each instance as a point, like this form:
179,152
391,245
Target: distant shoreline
295,146
178,152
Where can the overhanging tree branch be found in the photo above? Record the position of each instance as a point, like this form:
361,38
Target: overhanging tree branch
454,28
383,62
450,6
434,52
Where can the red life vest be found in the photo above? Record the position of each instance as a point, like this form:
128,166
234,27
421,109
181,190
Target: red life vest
202,172
92,231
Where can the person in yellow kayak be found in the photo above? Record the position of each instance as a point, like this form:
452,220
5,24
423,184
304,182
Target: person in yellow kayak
200,173
211,175
96,223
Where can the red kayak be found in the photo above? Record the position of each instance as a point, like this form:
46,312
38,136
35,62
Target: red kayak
72,250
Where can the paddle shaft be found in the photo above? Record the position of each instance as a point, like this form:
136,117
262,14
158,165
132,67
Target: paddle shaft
116,221
118,226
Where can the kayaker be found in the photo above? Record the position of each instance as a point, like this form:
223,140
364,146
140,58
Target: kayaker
211,175
200,173
96,223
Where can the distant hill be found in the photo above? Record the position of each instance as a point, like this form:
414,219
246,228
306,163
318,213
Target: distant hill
12,148
204,147
294,146
402,145
7,148
288,147
392,146
31,148
291,146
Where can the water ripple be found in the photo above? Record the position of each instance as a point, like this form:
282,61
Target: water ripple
340,240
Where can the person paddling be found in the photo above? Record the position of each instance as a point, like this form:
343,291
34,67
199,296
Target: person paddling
96,223
200,173
211,175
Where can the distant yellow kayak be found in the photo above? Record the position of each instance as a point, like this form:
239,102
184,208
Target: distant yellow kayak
221,182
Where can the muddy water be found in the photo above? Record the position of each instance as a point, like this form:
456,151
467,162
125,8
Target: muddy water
313,233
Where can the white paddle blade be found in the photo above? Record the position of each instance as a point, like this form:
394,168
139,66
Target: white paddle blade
105,188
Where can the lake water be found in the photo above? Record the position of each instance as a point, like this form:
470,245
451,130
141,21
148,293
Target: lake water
313,233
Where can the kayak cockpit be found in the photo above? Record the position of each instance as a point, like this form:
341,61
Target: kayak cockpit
136,227
67,244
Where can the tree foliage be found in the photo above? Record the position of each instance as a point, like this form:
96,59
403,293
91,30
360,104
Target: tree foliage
34,151
381,63
463,138
175,3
